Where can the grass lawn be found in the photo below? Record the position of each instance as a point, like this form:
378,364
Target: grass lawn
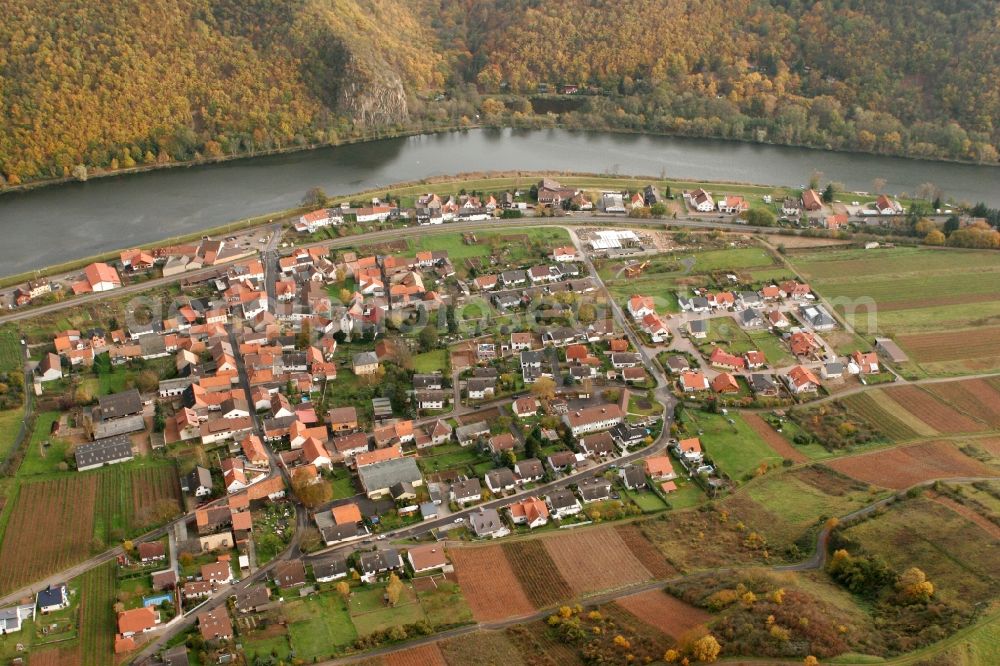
10,349
687,495
267,647
725,332
431,361
734,447
10,423
369,613
646,500
35,461
731,259
980,647
639,405
450,456
133,589
774,349
539,239
794,506
318,626
342,483
813,451
445,607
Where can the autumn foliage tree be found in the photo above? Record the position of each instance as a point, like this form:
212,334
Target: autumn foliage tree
394,589
311,493
914,587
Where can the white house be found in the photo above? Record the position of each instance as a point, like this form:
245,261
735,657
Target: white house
593,419
700,200
640,306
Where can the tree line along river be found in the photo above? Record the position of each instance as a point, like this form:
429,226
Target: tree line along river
51,225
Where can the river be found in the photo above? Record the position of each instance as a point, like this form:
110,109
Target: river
51,225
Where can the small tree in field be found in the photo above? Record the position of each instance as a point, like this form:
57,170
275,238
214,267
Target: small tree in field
394,589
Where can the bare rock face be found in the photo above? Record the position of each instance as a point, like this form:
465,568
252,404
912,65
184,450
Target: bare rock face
371,94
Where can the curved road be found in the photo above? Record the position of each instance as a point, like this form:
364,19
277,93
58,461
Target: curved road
816,561
373,237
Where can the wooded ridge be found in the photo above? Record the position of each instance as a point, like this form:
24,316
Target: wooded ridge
103,86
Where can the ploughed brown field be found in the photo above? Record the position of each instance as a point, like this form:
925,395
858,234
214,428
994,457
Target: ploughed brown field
978,397
538,574
968,344
489,584
595,559
664,612
78,513
424,655
942,417
908,465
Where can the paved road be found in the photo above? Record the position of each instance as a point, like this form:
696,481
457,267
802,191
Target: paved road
374,237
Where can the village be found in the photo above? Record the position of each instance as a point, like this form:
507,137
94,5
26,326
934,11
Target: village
323,404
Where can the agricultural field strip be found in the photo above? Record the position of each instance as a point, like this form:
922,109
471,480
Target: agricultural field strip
952,345
975,397
902,467
881,412
920,286
663,612
832,264
491,587
935,413
78,511
594,560
534,567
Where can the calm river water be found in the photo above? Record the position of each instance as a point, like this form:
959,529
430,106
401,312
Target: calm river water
55,224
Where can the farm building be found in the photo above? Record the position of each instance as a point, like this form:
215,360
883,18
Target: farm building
106,451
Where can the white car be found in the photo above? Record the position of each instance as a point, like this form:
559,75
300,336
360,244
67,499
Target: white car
459,520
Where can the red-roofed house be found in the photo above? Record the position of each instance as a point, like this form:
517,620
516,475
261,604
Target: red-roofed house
640,306
801,380
654,326
867,362
811,200
532,512
525,407
97,277
720,358
346,514
755,359
693,381
803,343
733,204
659,467
254,451
137,621
725,383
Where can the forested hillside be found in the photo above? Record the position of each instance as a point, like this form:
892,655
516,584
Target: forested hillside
86,86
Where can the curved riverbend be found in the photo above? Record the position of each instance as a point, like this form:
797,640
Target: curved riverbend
51,225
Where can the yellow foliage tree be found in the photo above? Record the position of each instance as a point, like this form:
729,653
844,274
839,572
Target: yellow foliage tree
706,649
914,586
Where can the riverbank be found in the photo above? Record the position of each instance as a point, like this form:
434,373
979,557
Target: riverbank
387,133
55,226
113,255
378,135
450,184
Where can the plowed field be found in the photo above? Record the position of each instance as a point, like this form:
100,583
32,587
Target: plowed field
664,612
490,587
906,466
595,559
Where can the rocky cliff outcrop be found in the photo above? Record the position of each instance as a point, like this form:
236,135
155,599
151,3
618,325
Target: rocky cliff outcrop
371,95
